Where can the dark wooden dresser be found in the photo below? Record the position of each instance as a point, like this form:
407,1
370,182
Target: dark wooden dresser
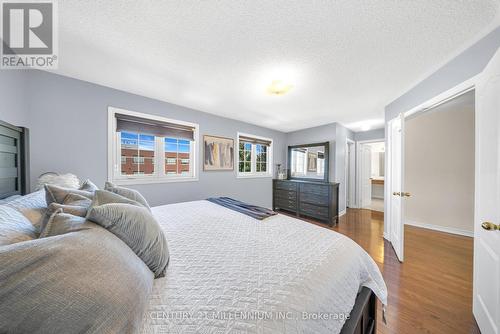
318,200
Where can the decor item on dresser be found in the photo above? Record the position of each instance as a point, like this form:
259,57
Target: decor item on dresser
314,199
281,173
218,153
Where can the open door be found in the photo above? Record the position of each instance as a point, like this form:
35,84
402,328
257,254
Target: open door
396,170
486,299
366,174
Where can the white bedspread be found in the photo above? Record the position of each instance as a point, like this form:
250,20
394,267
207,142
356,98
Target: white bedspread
229,273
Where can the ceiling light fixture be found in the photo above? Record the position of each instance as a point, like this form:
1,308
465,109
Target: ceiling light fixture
366,125
279,87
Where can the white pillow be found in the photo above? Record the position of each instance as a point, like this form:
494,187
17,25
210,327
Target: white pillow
64,180
14,227
32,206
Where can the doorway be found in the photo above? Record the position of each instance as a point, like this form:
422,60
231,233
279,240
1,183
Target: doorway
439,167
372,175
486,253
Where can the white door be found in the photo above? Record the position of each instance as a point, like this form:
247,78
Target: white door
486,299
395,142
366,174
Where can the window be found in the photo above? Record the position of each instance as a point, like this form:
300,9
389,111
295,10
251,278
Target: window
177,151
261,151
254,156
139,153
150,148
245,154
138,160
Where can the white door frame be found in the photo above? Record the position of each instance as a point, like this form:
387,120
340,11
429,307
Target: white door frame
350,171
444,97
358,167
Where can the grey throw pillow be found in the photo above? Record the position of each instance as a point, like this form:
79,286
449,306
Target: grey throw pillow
75,210
75,199
58,194
104,197
128,193
136,226
88,185
61,223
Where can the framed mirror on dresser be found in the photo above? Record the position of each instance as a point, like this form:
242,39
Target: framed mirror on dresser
307,190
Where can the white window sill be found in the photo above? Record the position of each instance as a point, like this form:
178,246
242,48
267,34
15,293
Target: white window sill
132,181
252,176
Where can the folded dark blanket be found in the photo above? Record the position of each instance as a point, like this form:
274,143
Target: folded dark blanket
253,211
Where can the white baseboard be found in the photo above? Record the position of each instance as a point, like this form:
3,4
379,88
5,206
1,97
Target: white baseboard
451,230
343,212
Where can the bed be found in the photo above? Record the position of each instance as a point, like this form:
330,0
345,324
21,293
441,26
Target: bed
229,273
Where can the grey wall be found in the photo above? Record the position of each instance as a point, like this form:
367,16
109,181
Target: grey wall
463,67
441,162
370,135
337,136
466,65
68,122
318,134
13,97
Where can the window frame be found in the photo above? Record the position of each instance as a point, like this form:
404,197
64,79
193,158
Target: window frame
159,175
253,173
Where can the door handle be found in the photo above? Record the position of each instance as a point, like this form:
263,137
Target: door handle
405,194
396,193
489,226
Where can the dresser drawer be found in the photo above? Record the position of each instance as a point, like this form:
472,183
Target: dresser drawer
312,198
314,210
283,185
283,203
317,189
285,194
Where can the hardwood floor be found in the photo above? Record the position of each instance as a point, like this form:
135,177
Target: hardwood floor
431,292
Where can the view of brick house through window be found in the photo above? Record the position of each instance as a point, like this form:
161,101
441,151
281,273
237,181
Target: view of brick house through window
176,156
138,155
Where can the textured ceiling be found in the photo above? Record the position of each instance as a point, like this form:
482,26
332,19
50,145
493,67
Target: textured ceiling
345,59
